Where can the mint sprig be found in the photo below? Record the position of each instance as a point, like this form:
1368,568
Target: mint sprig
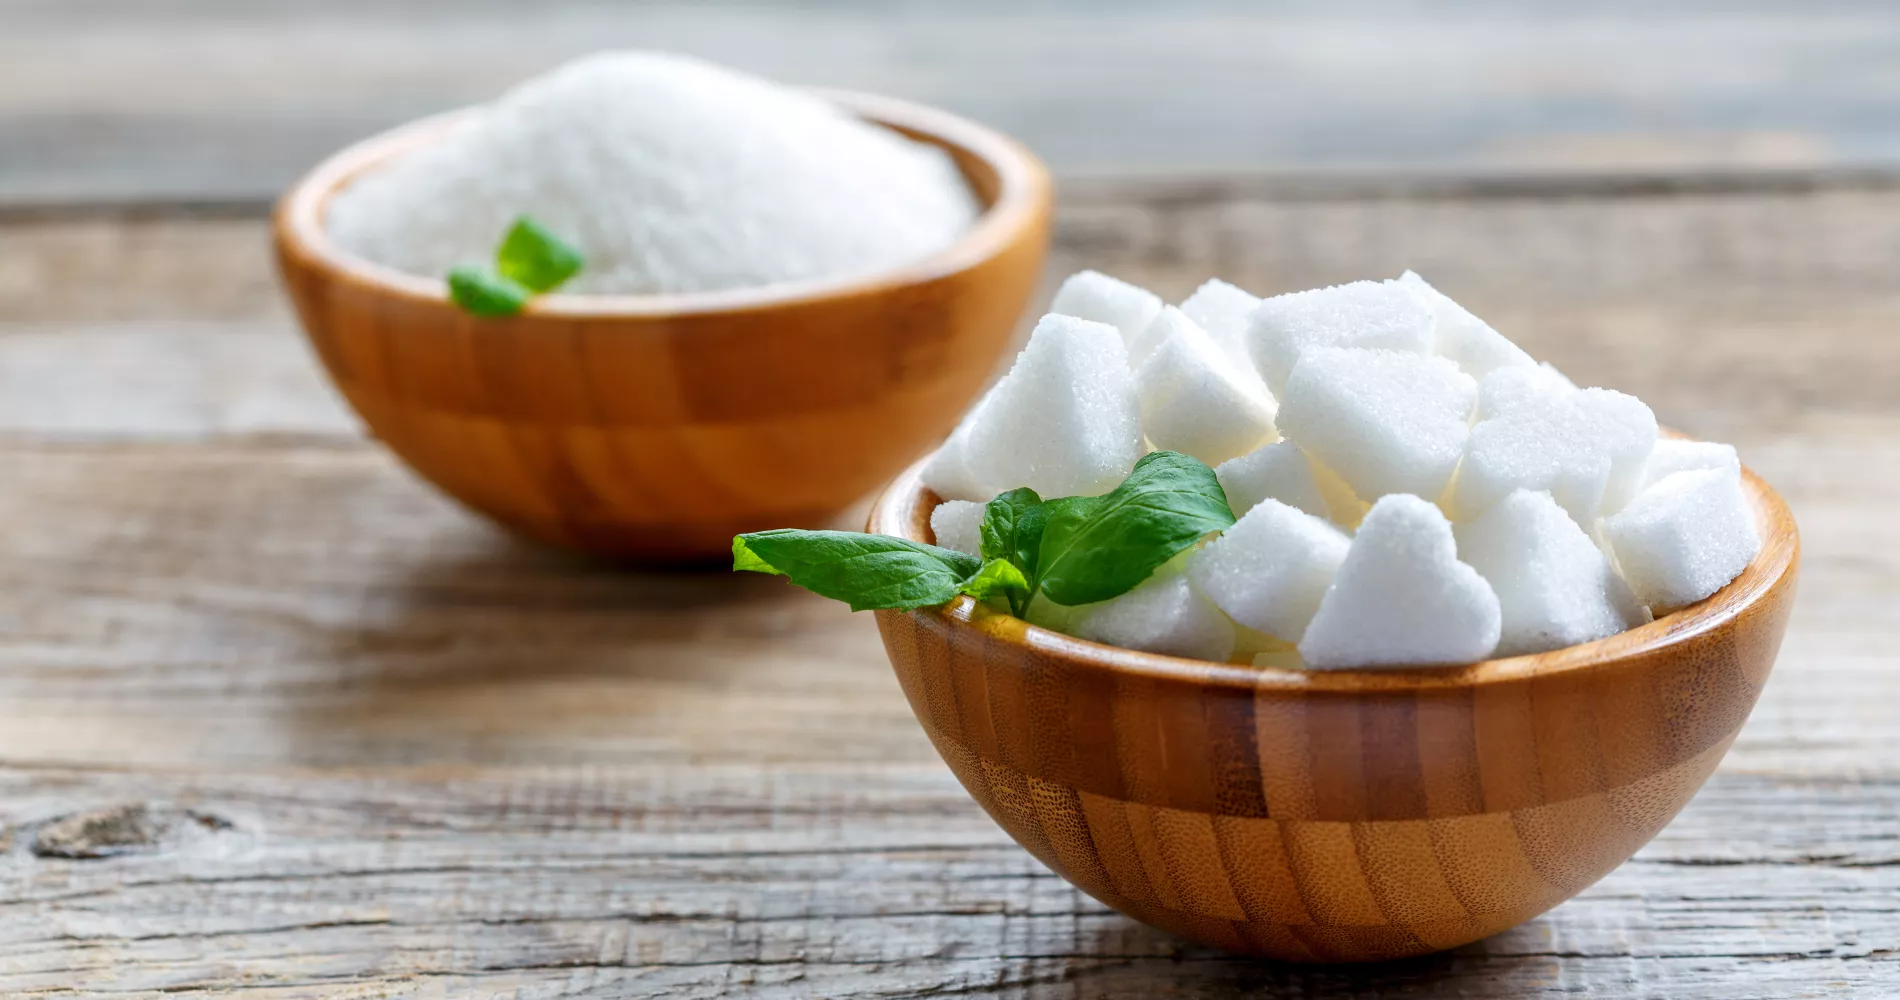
1072,550
1103,548
535,258
530,261
874,571
485,293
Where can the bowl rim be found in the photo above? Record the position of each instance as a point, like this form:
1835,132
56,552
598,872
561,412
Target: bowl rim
1773,568
1024,194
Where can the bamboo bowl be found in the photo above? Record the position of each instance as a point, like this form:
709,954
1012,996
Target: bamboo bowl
657,427
1343,815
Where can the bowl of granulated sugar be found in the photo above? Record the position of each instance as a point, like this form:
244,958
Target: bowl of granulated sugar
766,301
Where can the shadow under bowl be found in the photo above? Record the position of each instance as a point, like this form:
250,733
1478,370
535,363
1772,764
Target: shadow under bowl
1346,815
657,427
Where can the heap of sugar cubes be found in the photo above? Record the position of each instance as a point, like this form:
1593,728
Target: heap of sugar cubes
1411,487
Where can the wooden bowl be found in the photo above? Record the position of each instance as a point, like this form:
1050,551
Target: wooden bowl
657,427
1344,815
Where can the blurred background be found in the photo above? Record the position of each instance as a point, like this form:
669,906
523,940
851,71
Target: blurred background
1588,174
225,101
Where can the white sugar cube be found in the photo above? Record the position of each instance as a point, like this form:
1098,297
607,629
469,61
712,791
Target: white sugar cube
1685,537
1464,338
1373,314
1165,614
1402,598
1625,428
1065,421
1271,569
1278,471
1223,310
1555,587
1092,295
948,474
1194,399
1585,448
958,524
1168,323
1386,421
1506,389
1345,507
1673,455
1045,613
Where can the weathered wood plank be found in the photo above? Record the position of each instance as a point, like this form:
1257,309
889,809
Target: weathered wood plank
625,881
111,99
456,765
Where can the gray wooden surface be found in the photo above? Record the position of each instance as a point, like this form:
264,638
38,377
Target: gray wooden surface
350,742
277,721
216,100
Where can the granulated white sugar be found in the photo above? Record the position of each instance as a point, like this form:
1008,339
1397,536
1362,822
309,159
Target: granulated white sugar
669,175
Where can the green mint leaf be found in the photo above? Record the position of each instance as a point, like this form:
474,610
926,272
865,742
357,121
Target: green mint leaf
1104,546
535,258
485,293
999,525
864,571
744,560
1034,522
998,578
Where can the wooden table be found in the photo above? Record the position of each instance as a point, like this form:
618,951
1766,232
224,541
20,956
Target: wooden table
278,721
353,742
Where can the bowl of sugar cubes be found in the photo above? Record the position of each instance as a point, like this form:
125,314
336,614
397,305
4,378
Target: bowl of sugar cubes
1329,626
642,303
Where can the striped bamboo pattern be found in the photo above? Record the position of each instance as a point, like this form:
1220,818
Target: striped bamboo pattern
657,427
1342,816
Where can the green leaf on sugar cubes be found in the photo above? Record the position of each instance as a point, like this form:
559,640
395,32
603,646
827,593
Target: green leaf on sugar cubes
998,579
864,571
1105,547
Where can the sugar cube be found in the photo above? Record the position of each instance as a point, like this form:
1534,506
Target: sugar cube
948,474
1343,505
1625,428
1685,537
1278,471
1065,421
1045,613
1223,311
1585,447
1194,400
1093,295
1271,569
1464,338
1401,597
958,524
1167,324
1673,455
1506,389
1386,421
1555,587
1165,614
1374,314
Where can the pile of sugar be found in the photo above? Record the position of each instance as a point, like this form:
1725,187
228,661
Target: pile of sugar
1412,488
670,175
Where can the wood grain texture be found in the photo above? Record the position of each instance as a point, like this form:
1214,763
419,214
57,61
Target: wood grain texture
658,427
459,765
1339,815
